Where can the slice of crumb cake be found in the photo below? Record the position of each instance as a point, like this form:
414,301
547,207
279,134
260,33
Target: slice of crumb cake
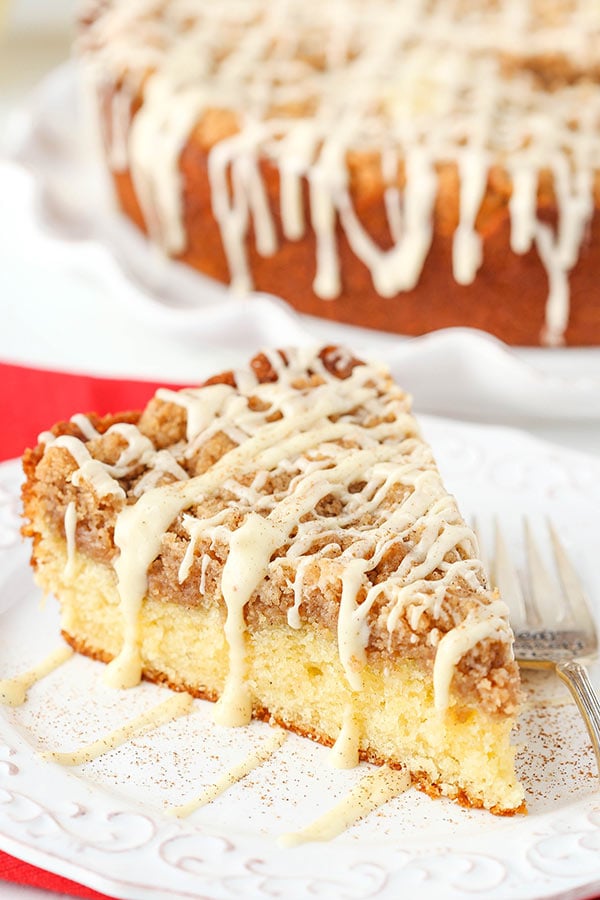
279,540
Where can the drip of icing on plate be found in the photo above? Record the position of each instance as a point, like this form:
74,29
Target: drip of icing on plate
231,776
371,792
13,691
170,709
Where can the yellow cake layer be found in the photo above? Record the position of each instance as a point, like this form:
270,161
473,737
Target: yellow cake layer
296,678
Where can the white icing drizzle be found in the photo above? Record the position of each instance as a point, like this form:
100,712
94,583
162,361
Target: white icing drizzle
91,470
159,464
120,121
344,753
353,636
85,426
293,613
202,406
522,205
70,535
557,307
172,708
231,776
103,477
349,444
458,641
467,254
427,86
203,570
371,792
13,691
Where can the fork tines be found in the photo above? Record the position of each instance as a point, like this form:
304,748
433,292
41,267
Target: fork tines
540,600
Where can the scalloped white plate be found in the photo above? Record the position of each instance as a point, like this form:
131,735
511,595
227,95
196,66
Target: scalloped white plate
104,823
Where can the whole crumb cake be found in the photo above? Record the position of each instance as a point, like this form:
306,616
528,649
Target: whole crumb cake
404,166
279,540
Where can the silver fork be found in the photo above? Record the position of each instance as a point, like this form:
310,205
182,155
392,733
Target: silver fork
553,628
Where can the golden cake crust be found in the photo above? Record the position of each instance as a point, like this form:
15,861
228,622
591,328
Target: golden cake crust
490,304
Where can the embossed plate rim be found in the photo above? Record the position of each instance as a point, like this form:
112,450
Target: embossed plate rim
525,863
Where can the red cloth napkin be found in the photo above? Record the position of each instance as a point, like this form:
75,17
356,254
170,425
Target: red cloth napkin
19,872
32,400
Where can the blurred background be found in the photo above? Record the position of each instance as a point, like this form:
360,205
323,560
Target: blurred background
35,35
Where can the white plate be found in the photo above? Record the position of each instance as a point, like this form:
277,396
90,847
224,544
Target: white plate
104,823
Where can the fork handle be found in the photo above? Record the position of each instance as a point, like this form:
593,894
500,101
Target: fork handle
578,681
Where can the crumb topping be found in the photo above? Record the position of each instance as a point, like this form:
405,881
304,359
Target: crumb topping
296,491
